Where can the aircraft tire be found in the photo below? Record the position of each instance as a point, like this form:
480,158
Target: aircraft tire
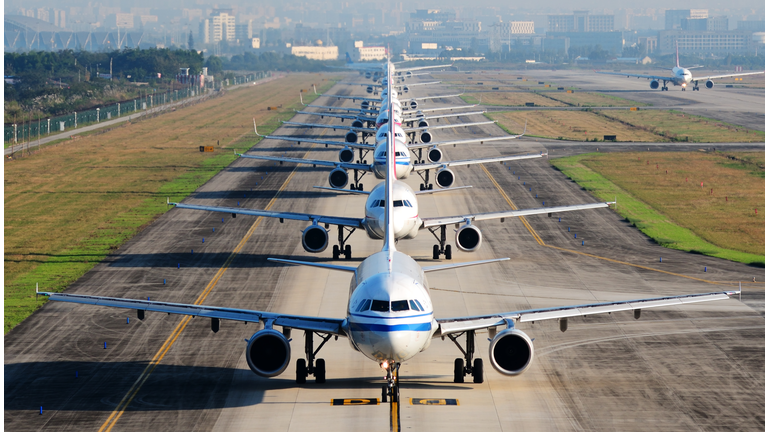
348,252
301,371
435,252
320,371
477,371
448,252
458,370
335,252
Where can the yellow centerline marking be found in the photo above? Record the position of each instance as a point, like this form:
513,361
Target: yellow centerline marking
128,398
541,242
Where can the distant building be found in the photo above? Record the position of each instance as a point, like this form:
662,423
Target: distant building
580,21
649,43
719,23
755,26
708,42
673,18
316,52
612,41
505,30
218,27
244,31
364,53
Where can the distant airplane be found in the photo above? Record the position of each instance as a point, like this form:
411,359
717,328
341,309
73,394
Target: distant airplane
681,76
390,317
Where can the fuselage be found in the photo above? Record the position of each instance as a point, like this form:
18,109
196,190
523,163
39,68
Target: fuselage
403,165
389,314
406,221
681,76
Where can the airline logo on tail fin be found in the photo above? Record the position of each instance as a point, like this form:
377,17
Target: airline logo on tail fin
349,59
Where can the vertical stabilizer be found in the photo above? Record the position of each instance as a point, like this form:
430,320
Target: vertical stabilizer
677,54
389,238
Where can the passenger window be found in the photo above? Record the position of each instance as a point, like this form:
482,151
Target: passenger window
380,306
400,305
419,305
413,305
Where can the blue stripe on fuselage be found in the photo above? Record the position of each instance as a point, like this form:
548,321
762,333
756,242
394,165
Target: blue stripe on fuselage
354,326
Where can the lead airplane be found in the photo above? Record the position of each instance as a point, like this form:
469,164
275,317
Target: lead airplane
681,76
389,317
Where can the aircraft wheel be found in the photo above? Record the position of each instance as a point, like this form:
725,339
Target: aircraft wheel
384,393
430,186
365,162
335,252
421,187
477,371
458,370
360,186
435,252
352,186
301,371
320,371
448,252
348,252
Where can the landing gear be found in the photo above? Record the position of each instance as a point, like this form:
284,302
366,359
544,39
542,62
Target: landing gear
442,248
425,177
460,368
362,153
391,389
310,366
342,247
358,176
356,186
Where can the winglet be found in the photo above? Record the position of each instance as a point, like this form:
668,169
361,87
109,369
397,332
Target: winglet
525,128
314,88
301,99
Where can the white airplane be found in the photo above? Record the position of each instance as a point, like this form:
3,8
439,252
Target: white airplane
681,77
339,176
390,317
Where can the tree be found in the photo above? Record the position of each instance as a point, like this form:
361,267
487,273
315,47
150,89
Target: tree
191,41
214,64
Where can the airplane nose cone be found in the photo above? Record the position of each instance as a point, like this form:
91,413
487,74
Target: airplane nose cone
398,224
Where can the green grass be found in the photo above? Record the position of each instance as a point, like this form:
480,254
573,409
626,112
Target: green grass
649,220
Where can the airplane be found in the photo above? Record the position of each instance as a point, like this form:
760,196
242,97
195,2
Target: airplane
389,318
681,76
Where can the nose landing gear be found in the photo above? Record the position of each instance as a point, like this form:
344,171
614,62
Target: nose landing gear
391,390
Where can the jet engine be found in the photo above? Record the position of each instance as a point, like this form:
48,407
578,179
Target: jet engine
357,123
368,75
364,105
314,239
710,84
511,352
435,155
369,89
338,178
351,137
346,155
408,74
426,137
405,89
413,104
654,84
423,123
444,178
268,353
468,237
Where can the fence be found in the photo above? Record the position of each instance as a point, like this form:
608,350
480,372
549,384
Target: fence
27,131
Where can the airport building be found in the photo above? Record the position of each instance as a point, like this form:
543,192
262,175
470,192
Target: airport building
709,42
316,52
580,21
364,53
611,41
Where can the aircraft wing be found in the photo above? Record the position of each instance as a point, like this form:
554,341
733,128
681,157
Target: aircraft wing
431,97
356,110
315,141
420,112
326,126
319,219
349,166
711,77
448,220
427,166
464,141
462,324
317,324
420,192
421,68
334,115
450,126
654,77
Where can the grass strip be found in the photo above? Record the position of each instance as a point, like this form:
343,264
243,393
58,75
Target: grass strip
646,217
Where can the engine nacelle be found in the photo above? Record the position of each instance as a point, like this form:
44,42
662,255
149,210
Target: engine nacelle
405,89
346,155
423,123
468,237
368,75
369,89
408,74
511,352
338,178
435,155
364,105
350,137
413,104
268,353
357,123
654,84
314,239
426,137
444,178
710,84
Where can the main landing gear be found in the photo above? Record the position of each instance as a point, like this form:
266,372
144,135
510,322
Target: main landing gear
342,247
310,366
474,368
356,185
424,174
391,389
665,88
442,248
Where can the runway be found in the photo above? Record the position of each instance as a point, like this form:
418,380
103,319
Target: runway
739,106
697,367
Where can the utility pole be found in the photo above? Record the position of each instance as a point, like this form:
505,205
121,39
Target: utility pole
110,67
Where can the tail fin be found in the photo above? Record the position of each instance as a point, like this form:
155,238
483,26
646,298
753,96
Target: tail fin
677,54
349,59
389,238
